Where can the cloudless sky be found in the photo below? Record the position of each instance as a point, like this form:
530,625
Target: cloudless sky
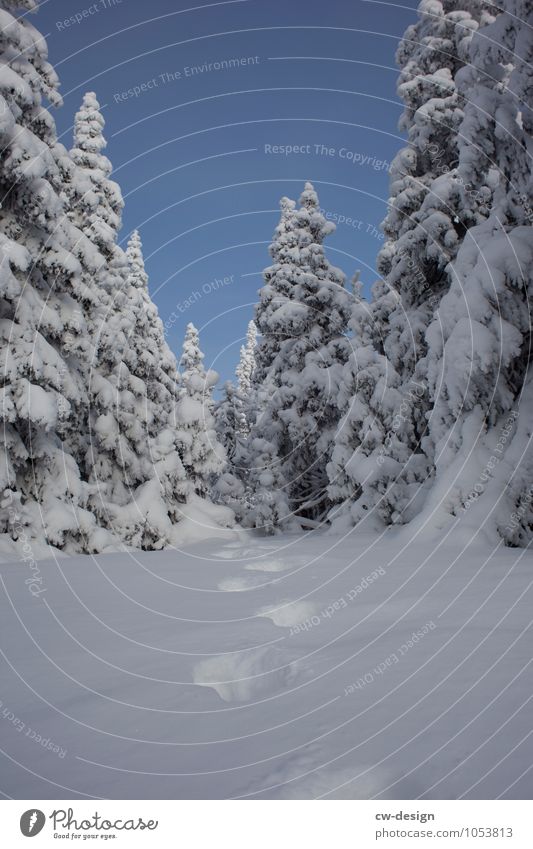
193,145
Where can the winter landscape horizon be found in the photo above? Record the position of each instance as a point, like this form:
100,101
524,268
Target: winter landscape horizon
266,496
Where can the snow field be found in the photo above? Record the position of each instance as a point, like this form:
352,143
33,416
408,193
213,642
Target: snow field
162,676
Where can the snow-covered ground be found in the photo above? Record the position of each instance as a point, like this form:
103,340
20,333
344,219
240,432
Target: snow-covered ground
287,667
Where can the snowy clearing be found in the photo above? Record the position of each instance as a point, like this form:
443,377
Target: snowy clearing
288,667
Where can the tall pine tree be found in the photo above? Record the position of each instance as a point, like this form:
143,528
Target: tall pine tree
245,371
203,455
480,341
370,403
431,209
302,317
137,473
44,301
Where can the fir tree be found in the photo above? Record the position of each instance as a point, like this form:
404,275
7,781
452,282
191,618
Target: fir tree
369,401
202,454
430,211
43,300
302,317
228,423
266,502
95,206
96,201
480,341
245,370
136,469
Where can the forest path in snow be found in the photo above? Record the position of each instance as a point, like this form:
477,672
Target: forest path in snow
284,667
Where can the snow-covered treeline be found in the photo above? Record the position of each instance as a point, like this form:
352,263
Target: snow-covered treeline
459,259
416,406
411,407
102,441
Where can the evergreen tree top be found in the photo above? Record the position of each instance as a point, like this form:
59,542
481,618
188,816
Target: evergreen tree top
138,276
89,124
309,198
246,364
192,357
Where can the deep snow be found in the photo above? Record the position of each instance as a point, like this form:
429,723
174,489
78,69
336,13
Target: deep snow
265,668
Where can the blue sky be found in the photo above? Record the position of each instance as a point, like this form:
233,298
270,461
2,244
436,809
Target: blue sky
216,110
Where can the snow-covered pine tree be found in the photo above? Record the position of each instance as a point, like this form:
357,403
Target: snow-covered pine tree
430,211
302,317
234,415
244,372
229,488
234,411
369,401
480,341
265,504
266,501
275,292
203,455
151,356
96,201
43,300
246,365
228,420
136,469
95,206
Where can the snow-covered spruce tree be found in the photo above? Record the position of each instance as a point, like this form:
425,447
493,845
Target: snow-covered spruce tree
275,291
228,415
480,342
246,366
234,415
95,206
430,210
229,488
96,201
302,317
371,404
265,504
235,410
203,455
138,478
244,372
43,301
266,501
150,354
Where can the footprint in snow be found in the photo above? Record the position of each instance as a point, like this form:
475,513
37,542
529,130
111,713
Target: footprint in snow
247,675
307,774
288,613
